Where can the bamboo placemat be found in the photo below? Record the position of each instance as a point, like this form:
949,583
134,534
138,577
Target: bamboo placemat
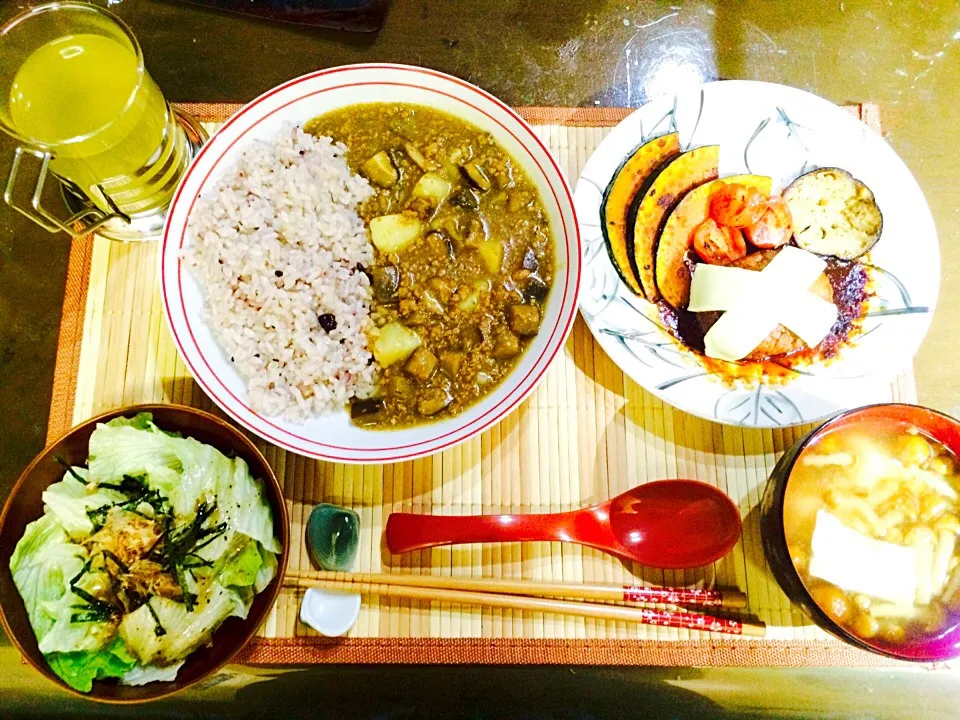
588,433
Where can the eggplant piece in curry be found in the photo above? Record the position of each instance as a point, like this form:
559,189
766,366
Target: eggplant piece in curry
464,258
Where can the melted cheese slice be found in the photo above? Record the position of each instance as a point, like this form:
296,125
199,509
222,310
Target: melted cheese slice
738,332
809,317
860,564
754,303
716,287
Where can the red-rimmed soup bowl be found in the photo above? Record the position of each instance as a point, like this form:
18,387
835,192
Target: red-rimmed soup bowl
880,421
332,436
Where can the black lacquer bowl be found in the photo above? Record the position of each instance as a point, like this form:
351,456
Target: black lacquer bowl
940,427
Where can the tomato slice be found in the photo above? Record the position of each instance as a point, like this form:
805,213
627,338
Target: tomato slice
737,205
718,244
774,228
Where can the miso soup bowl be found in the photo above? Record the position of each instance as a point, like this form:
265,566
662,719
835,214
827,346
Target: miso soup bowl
938,426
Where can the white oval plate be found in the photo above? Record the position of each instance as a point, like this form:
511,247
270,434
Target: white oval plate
332,436
774,130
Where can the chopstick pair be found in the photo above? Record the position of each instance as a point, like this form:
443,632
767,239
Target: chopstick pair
547,597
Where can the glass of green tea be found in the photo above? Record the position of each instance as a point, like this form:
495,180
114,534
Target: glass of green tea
74,92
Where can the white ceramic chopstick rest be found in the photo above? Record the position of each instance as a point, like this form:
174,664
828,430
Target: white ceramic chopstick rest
330,612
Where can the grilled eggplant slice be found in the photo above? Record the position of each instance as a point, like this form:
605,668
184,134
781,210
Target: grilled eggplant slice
834,214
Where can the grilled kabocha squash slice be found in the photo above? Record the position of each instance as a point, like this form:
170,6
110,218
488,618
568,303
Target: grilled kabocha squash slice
673,248
630,180
681,175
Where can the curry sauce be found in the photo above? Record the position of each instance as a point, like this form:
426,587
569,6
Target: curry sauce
462,275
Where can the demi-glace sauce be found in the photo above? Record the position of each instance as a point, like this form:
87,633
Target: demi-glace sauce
849,282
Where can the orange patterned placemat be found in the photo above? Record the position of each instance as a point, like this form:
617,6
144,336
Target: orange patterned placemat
587,433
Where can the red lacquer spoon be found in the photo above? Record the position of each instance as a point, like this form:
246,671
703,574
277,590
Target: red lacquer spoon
667,523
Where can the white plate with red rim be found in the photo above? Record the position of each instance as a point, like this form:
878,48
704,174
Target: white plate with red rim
779,131
333,437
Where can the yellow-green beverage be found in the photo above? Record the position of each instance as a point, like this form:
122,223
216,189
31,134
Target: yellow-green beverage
87,99
75,94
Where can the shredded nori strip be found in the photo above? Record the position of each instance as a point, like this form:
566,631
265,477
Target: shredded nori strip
175,548
137,491
83,571
184,540
193,560
89,615
176,551
189,598
95,610
129,485
66,466
214,533
159,630
98,516
119,563
96,602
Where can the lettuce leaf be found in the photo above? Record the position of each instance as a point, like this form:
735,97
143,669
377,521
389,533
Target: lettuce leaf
244,602
80,669
182,631
70,499
140,421
267,571
123,448
203,468
247,570
186,471
67,636
42,565
241,500
219,547
143,674
240,567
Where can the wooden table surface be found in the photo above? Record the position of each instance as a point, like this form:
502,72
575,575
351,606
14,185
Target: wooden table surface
903,55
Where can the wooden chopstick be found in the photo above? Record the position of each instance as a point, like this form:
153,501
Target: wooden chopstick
647,616
617,593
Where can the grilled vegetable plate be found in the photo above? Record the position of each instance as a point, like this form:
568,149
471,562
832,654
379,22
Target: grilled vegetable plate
672,268
688,171
630,180
833,213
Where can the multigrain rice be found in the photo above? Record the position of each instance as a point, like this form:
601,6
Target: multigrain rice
277,245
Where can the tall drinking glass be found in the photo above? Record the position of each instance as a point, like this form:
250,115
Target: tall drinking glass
74,92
